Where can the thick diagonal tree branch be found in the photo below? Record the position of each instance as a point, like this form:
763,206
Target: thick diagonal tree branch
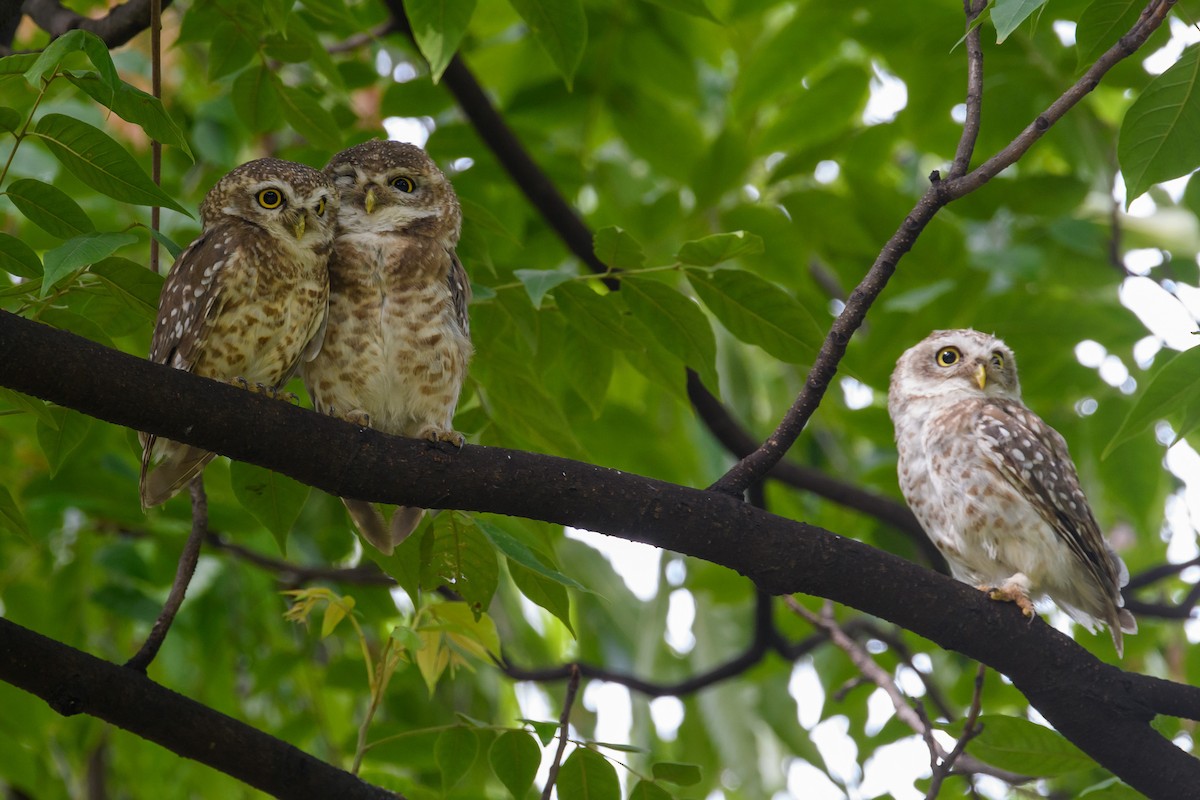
1103,710
940,193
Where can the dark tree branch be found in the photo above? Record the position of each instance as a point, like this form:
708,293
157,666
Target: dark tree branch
1102,709
563,733
974,103
116,28
183,576
755,466
941,768
295,574
73,682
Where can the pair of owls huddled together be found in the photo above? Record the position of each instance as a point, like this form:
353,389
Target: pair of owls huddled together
348,275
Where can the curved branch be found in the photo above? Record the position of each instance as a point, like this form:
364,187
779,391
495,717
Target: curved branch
73,682
116,27
1102,709
753,467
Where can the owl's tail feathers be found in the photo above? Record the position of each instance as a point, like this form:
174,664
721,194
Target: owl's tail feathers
177,465
370,524
1121,621
405,521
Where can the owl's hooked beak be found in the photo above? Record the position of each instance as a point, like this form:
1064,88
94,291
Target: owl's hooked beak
981,375
299,229
369,202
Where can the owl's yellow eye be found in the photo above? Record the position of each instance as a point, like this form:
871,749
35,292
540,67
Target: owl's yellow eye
321,207
997,360
270,198
406,185
948,356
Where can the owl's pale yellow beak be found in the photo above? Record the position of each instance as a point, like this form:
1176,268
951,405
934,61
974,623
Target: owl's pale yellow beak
299,229
981,375
369,202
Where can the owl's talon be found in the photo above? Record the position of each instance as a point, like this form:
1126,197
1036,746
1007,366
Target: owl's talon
1012,594
436,437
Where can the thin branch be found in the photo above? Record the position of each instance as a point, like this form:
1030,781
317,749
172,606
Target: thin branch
117,27
563,734
363,39
155,144
294,574
974,101
183,576
971,729
755,466
1155,574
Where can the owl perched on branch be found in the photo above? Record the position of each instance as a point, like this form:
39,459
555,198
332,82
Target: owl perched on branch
398,341
994,486
246,301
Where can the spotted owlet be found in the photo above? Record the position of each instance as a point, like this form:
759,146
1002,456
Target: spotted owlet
994,486
246,301
398,341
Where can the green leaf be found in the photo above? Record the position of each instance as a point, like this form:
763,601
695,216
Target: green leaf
588,369
165,241
560,27
80,251
75,41
11,516
515,758
676,322
645,790
59,441
18,258
1022,746
309,118
438,26
132,283
712,250
696,8
455,751
616,248
49,208
1007,15
546,731
1171,388
133,105
10,119
587,775
678,774
1100,26
538,282
100,162
758,312
518,551
230,51
542,591
274,500
31,405
256,98
593,315
456,554
1158,139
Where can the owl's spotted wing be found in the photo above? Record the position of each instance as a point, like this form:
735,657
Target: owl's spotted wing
1033,457
460,291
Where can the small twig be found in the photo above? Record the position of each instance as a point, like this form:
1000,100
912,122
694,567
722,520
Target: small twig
563,734
363,39
971,729
155,144
297,574
183,576
974,100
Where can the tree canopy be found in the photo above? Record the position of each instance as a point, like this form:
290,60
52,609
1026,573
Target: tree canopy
699,234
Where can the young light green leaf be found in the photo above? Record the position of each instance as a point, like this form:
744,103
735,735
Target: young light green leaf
75,41
256,98
438,26
51,209
758,312
455,751
1007,15
587,775
616,248
11,517
538,282
515,758
1172,386
1020,745
58,441
676,322
593,315
18,258
1100,26
274,500
79,252
135,285
133,105
645,790
560,27
456,554
100,162
10,119
309,118
712,250
678,774
1157,141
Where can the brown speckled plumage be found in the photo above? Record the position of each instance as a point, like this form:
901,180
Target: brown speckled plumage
246,300
398,340
994,486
